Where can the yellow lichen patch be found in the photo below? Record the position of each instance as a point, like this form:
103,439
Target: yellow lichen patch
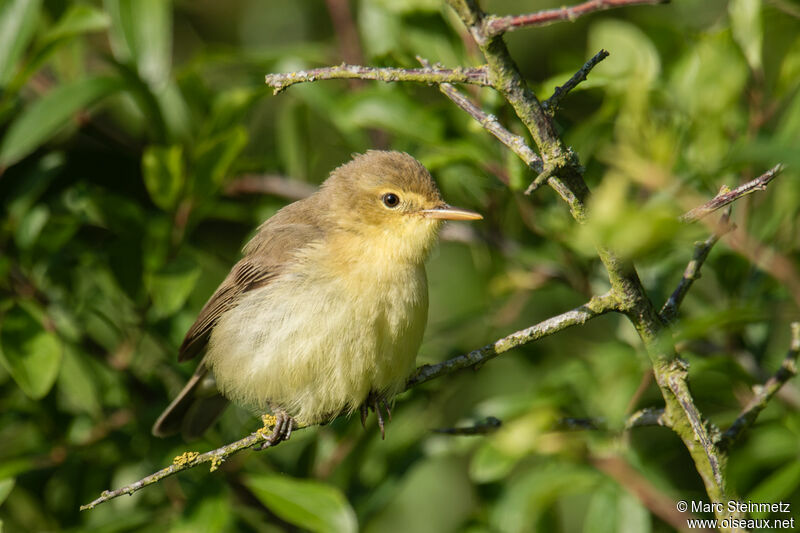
216,462
269,423
185,458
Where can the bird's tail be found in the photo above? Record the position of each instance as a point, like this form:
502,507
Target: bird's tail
194,410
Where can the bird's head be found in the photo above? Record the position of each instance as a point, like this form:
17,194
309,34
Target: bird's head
390,200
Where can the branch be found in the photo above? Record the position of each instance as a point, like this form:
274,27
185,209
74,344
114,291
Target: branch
597,306
646,417
551,104
642,418
275,185
764,393
515,143
703,432
474,76
498,25
180,463
566,177
723,199
725,196
508,81
669,311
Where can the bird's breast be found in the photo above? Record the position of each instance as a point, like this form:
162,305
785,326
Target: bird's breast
322,335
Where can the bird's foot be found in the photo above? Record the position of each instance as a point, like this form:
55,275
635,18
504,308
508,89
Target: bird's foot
375,402
277,428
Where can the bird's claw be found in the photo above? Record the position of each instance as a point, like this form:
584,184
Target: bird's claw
375,402
281,425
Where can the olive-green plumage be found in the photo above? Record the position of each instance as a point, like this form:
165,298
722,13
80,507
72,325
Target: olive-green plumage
328,304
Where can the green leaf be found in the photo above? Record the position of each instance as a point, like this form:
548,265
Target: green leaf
748,29
307,504
632,516
532,492
77,386
142,32
601,516
30,353
776,487
6,486
171,286
789,76
209,514
634,62
709,78
17,23
79,19
43,118
490,464
231,108
164,174
392,110
31,226
213,159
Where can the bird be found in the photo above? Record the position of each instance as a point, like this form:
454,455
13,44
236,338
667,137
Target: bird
325,312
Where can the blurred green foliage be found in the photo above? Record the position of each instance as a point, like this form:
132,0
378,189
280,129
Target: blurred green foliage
126,127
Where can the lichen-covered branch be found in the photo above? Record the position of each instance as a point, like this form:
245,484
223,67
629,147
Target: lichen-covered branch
669,311
642,418
564,173
515,143
764,393
595,307
180,463
648,416
598,305
725,198
474,76
498,25
505,77
551,104
703,432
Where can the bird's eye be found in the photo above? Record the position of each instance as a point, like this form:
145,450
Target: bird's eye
391,200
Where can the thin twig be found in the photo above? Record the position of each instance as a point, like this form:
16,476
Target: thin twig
497,25
182,462
490,123
474,76
642,418
551,104
669,311
723,199
489,425
273,184
595,307
764,393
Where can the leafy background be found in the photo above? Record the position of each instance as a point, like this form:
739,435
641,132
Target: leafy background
133,132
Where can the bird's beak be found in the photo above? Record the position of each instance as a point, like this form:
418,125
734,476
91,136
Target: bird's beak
448,212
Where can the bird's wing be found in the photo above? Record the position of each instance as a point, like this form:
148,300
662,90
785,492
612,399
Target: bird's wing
265,257
245,275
